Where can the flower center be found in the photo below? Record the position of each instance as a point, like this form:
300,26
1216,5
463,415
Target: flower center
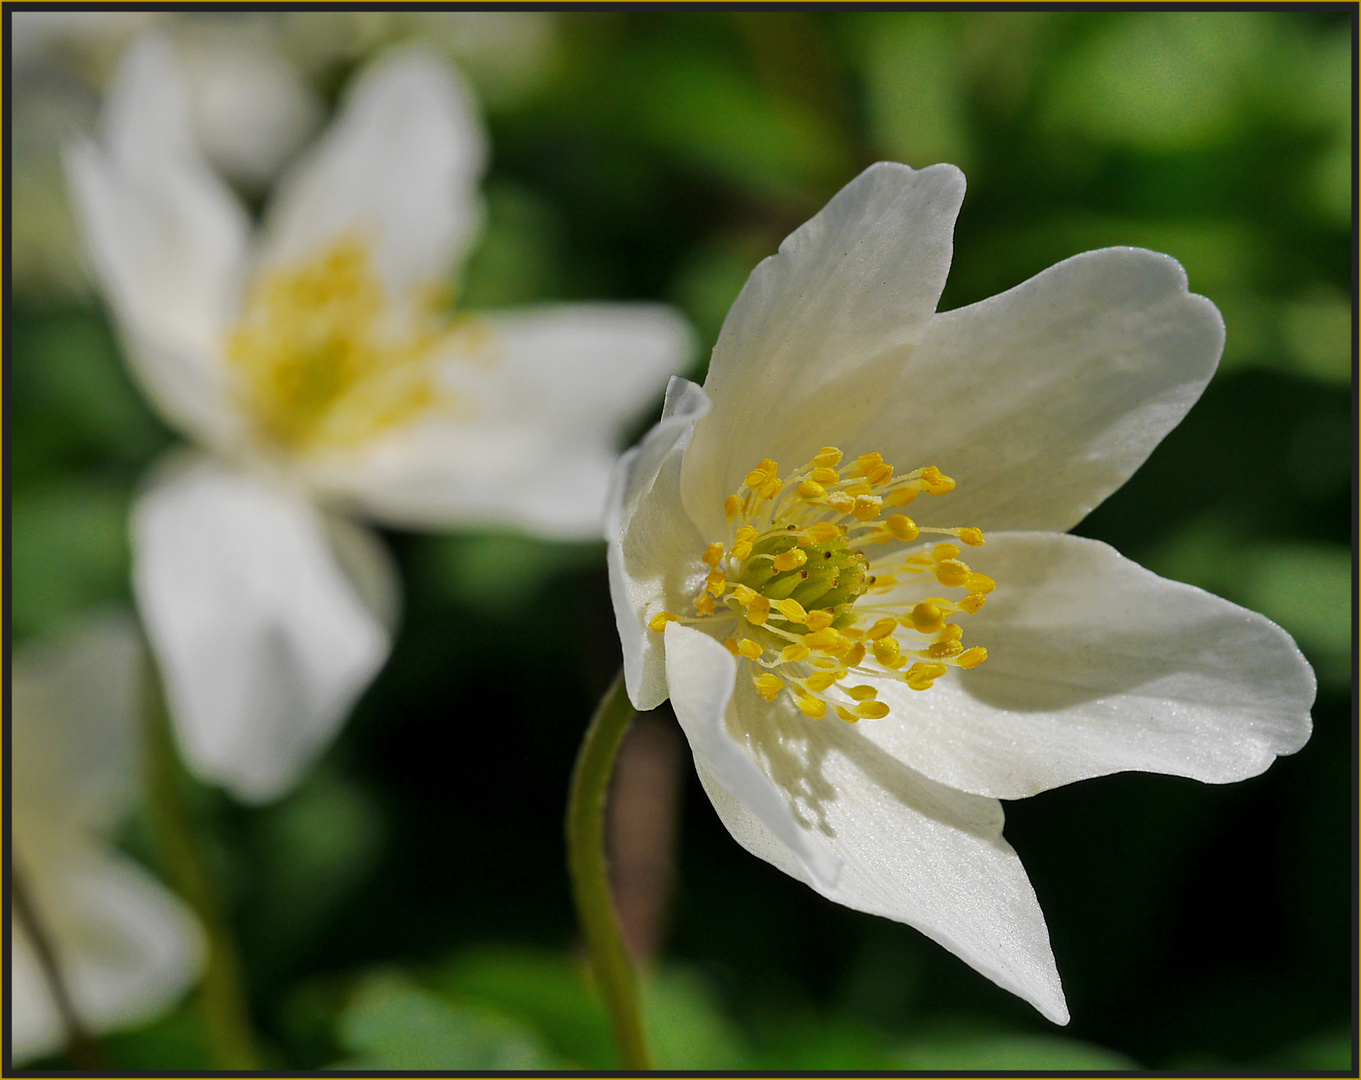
322,361
812,609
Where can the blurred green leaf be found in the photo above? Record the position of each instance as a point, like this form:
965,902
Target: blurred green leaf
1317,334
1307,588
501,571
520,256
986,1050
174,1041
1331,1049
809,1042
712,277
685,1028
70,551
392,1023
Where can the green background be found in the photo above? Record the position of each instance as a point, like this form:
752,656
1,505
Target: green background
407,907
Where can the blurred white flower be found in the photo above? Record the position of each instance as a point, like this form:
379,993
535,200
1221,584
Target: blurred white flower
1038,403
312,358
127,948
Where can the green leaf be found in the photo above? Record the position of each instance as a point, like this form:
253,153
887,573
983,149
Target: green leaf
685,1028
1043,1053
1307,589
501,571
391,1023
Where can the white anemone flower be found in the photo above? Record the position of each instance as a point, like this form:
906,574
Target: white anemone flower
312,359
768,579
127,948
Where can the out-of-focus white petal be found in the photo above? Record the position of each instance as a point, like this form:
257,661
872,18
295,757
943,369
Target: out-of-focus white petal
1043,400
398,169
1096,665
127,947
911,850
701,674
166,239
653,547
539,402
821,328
264,641
75,712
251,107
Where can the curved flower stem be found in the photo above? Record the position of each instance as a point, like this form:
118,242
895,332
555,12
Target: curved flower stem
84,1051
226,1013
590,875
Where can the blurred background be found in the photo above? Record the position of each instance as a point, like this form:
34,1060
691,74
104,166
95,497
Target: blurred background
407,906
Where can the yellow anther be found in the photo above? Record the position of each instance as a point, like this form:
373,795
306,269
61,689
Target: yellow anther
927,618
820,532
971,536
980,583
866,462
872,710
713,555
811,489
886,650
732,506
941,552
824,639
862,693
731,645
791,609
920,676
951,632
952,573
943,650
658,622
973,603
822,680
883,581
902,527
818,620
900,496
840,502
937,483
852,632
792,654
715,582
867,507
883,628
854,655
746,532
790,560
846,714
743,594
741,549
825,476
769,686
812,707
970,658
771,487
827,457
705,604
750,649
858,489
763,472
758,611
879,475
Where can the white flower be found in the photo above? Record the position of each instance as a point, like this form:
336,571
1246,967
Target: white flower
127,948
310,357
1014,416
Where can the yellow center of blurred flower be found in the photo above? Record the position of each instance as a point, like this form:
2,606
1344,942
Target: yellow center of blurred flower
812,610
322,360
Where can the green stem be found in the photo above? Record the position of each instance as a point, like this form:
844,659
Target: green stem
222,995
590,874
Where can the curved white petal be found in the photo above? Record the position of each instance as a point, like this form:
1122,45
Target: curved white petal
167,241
76,710
911,850
654,549
821,328
702,675
539,401
264,642
127,947
398,168
1043,400
1096,665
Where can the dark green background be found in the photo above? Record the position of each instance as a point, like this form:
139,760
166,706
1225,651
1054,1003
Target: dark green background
408,905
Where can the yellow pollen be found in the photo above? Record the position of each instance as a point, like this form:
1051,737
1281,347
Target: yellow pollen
883,628
732,506
867,507
972,537
900,496
793,654
748,648
769,686
827,457
846,714
791,610
811,489
862,693
902,527
936,482
713,555
819,620
731,645
790,560
971,658
705,604
758,611
980,583
952,573
872,710
658,622
825,476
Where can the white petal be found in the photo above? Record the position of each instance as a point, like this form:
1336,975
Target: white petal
127,947
911,850
821,328
264,641
1043,400
76,709
1096,665
398,168
542,399
166,239
653,547
702,674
